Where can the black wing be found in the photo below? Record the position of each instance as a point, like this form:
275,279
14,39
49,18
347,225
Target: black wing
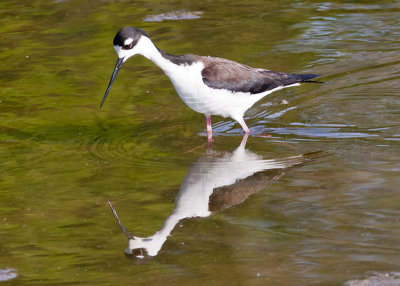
224,74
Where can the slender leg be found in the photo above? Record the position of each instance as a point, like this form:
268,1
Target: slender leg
244,140
244,126
209,128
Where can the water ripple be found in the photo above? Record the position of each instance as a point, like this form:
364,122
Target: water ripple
7,274
176,15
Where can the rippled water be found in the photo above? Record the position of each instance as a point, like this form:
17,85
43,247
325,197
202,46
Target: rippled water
333,219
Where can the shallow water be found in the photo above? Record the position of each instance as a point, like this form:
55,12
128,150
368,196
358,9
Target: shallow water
331,220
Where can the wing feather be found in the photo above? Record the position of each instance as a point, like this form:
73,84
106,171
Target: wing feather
220,73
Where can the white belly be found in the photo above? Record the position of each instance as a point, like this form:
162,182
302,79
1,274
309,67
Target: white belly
189,85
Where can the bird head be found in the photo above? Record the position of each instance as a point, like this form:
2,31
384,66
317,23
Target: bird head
127,43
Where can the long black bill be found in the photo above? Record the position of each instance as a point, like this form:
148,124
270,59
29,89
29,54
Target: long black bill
124,230
114,74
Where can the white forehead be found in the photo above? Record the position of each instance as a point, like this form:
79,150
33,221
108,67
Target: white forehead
142,46
126,54
128,41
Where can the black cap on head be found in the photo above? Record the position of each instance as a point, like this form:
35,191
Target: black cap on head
133,34
126,33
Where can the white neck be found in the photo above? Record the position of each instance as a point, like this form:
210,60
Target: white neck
154,243
146,48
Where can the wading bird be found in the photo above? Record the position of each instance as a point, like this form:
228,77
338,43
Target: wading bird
217,181
208,85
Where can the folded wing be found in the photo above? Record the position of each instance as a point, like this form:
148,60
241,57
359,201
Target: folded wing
225,74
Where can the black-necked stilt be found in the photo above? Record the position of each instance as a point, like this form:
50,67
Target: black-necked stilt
209,85
218,180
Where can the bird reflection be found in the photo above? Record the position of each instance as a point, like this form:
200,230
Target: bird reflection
218,180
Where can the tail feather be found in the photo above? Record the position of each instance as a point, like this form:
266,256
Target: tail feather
306,77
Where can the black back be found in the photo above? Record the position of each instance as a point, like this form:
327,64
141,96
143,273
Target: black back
225,74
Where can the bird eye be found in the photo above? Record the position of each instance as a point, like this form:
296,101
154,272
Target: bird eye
128,47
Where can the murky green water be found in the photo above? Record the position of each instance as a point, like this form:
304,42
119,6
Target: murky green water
326,221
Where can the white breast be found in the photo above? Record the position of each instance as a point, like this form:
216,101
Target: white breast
189,85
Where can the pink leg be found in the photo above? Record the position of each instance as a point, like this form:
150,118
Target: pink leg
244,140
209,128
244,126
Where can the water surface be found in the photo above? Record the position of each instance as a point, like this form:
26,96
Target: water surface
329,221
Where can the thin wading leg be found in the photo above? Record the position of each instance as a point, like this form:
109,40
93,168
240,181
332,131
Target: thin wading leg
244,140
209,128
244,126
